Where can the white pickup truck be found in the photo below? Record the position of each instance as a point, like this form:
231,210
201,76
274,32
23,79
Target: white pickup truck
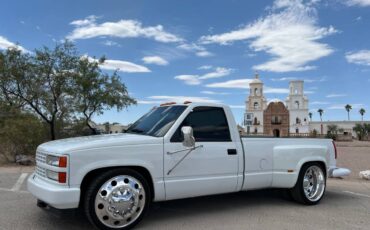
175,151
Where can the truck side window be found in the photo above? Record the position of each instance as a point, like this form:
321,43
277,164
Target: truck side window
209,125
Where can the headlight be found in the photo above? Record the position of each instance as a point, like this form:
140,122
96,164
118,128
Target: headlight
57,161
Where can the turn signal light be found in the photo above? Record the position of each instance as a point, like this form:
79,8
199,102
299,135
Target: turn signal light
62,177
63,162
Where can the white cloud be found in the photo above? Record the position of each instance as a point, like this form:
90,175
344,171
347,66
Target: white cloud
362,3
244,84
5,44
205,67
88,28
177,99
268,90
218,72
335,95
294,78
189,79
289,33
199,50
84,22
122,66
157,60
319,103
231,84
213,93
361,57
197,79
204,53
284,79
341,106
111,43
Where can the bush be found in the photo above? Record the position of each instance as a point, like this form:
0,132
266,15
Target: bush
20,133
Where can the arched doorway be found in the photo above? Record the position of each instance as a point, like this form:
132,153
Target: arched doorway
276,133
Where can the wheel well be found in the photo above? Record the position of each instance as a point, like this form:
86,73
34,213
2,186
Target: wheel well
91,175
322,164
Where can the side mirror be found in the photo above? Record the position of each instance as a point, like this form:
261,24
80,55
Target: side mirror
189,140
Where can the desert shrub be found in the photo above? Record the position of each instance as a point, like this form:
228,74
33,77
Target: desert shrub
20,133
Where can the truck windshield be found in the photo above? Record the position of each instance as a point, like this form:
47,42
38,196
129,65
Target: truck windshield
158,121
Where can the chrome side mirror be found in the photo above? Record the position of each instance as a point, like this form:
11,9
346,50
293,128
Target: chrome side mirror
189,140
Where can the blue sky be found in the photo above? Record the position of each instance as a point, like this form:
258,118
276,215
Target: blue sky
209,50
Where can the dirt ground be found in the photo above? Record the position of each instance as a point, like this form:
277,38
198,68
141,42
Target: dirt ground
355,156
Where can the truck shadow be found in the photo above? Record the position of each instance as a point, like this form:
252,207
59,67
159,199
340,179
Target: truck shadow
211,207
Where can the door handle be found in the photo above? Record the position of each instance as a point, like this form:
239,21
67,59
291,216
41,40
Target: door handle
231,152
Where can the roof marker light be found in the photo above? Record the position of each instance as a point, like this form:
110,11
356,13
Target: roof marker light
168,103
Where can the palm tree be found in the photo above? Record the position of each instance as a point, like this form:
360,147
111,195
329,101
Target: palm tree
348,108
362,112
320,111
310,115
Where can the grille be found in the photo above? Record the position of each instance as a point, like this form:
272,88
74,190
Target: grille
40,157
40,171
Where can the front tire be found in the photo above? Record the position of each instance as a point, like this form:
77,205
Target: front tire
311,184
117,199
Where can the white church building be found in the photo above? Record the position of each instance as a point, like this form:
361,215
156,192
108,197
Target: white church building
296,103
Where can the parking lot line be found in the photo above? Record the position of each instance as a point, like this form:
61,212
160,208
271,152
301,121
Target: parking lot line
18,184
9,190
357,194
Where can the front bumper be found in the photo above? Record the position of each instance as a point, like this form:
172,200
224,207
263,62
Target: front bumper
339,172
54,195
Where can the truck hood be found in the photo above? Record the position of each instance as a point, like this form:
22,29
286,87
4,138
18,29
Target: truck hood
99,141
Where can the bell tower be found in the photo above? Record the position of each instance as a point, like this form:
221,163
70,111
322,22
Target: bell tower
255,105
297,104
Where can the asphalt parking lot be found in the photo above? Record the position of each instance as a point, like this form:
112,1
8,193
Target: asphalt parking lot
345,206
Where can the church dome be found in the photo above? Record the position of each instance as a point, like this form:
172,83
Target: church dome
256,80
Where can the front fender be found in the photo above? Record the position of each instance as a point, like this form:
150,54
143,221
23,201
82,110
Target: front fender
149,157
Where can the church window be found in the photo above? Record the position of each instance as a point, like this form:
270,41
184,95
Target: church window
255,130
276,120
298,121
296,130
296,104
255,105
256,91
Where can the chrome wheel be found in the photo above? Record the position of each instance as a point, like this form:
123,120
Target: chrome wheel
314,183
120,201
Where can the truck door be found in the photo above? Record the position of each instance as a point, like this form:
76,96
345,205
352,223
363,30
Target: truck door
209,169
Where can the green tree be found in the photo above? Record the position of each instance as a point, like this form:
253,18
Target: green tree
332,131
42,81
361,131
310,115
95,91
348,108
362,111
320,111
